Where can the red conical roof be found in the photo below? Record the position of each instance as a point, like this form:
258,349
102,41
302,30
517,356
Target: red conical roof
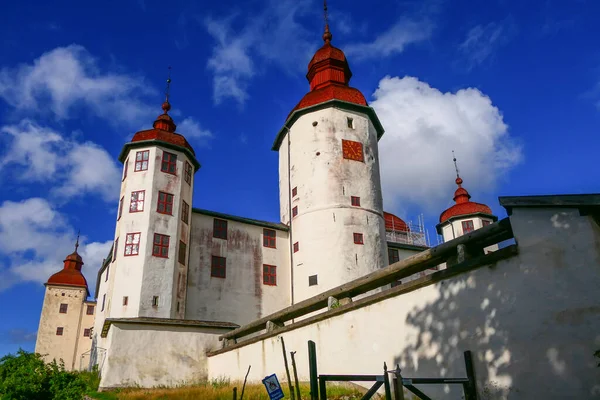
71,274
463,206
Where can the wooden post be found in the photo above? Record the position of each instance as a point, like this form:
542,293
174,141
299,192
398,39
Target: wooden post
312,366
235,393
245,379
287,370
295,375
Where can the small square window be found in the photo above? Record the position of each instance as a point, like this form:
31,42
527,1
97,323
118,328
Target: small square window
393,256
86,332
132,244
295,192
90,310
165,203
269,238
141,160
312,280
137,201
185,212
125,169
218,267
188,173
296,247
155,301
120,207
355,201
63,308
358,238
220,228
160,246
182,252
467,226
295,211
169,163
59,331
269,275
350,123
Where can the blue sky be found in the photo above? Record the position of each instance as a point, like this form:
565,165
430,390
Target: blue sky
512,87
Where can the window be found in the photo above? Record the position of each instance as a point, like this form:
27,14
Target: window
90,310
125,169
165,203
59,331
294,211
154,301
160,248
63,308
393,256
120,207
355,201
295,192
107,270
467,226
182,252
115,252
125,300
103,301
220,228
169,163
185,212
269,275
313,280
350,122
137,201
132,244
358,238
269,238
86,332
218,267
485,222
141,160
296,247
188,173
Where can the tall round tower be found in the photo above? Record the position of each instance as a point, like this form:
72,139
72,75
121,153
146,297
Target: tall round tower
329,179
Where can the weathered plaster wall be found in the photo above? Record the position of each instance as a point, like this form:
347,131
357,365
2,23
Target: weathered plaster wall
531,321
149,356
240,297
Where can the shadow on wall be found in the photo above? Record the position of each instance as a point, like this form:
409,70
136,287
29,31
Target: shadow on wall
532,322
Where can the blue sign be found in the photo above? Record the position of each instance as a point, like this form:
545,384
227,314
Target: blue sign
273,388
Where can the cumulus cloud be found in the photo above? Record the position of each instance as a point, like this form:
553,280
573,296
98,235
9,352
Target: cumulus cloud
192,130
42,154
35,238
483,40
423,125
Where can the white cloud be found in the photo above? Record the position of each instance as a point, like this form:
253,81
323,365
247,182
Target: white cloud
35,239
423,125
192,130
393,41
483,40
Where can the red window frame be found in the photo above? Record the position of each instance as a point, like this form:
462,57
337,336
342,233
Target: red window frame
182,252
131,246
116,249
485,222
89,310
358,238
270,238
296,247
185,212
125,169
137,200
295,192
164,205
169,163
63,308
218,267
59,331
142,160
269,275
86,332
220,228
468,226
160,245
121,207
295,211
188,173
355,201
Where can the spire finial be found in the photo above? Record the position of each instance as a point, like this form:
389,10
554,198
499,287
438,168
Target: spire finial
166,105
327,36
459,181
77,242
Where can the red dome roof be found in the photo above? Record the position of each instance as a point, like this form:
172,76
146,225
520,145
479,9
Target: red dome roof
463,205
71,274
393,223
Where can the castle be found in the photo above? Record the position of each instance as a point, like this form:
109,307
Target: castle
172,265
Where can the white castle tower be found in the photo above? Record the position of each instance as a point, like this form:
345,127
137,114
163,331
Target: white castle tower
329,180
147,276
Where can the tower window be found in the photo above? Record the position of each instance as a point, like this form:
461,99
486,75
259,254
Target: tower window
185,212
313,280
132,244
121,207
90,310
59,331
116,248
350,123
107,270
269,238
137,201
63,308
86,332
169,163
160,246
467,226
296,247
154,301
485,222
358,238
220,228
269,275
218,267
393,256
295,211
103,301
125,300
125,169
295,192
165,203
187,175
355,201
182,252
141,160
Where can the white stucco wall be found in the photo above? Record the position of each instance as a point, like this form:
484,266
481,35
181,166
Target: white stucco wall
325,182
531,321
155,355
240,297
